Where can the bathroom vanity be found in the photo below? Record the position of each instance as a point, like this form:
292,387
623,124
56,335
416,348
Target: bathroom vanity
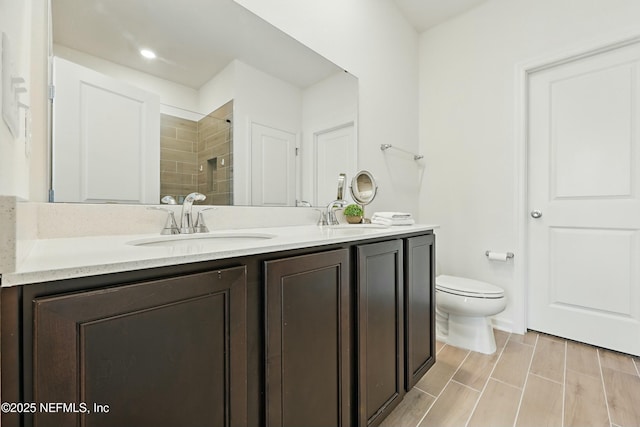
312,327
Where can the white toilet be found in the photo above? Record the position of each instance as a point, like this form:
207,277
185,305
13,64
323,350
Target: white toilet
463,307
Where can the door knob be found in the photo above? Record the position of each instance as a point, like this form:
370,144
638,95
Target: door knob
536,214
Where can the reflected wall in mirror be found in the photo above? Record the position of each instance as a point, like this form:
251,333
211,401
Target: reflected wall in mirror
288,116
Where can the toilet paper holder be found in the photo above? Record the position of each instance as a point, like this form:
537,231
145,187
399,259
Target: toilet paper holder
510,255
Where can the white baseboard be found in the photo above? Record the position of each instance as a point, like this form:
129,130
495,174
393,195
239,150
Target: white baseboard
502,324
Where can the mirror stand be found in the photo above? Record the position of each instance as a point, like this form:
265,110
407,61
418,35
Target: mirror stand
363,190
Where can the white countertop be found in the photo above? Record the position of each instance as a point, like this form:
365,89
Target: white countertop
65,258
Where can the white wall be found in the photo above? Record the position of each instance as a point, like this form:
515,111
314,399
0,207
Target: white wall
15,22
468,119
373,41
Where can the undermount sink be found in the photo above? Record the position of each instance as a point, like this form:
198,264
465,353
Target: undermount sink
203,241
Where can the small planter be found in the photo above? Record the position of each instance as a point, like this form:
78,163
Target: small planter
354,219
353,213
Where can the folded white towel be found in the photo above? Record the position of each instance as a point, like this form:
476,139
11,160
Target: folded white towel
392,215
389,222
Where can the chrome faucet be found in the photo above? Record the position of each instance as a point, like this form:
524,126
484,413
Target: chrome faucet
186,218
330,216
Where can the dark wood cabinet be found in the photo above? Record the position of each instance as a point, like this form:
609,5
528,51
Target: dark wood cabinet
380,307
169,352
308,335
419,308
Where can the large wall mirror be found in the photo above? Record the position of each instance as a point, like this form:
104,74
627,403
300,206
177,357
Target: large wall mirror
230,107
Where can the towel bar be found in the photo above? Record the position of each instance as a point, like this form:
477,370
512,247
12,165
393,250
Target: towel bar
384,147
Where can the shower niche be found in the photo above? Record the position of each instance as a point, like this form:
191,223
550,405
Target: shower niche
212,175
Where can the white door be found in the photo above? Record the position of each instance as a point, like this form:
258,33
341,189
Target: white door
273,166
335,153
106,137
584,181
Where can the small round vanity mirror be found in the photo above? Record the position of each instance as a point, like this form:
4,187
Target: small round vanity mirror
363,188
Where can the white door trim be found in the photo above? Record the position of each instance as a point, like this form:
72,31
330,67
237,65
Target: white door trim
522,74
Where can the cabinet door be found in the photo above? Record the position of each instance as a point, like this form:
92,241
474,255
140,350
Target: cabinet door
419,258
308,374
169,353
380,330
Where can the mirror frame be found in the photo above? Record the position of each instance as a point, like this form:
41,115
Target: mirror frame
355,191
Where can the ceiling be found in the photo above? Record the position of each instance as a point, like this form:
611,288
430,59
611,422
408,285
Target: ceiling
193,43
424,14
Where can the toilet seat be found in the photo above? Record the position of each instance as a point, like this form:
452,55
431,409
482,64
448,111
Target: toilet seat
468,287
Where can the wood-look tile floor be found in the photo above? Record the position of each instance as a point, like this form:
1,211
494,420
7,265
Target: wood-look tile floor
531,380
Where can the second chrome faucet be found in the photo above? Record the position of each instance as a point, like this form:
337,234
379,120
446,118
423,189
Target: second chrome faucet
329,216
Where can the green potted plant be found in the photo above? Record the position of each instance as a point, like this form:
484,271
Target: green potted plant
353,213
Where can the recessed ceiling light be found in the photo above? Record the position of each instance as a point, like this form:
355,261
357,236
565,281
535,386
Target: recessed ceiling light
149,54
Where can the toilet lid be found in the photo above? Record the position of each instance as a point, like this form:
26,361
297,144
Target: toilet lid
468,287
